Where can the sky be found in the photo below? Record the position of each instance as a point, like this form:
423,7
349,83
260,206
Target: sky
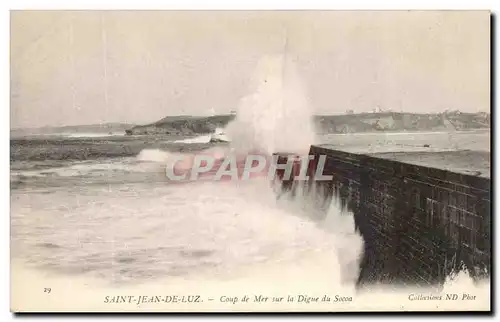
88,67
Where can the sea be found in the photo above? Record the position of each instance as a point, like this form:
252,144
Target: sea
112,219
93,217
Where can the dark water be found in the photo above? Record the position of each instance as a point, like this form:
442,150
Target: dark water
68,149
103,208
93,207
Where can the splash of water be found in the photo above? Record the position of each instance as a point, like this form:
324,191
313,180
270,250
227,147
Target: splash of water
276,116
333,219
153,155
198,139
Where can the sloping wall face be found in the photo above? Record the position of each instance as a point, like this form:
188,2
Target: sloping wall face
419,224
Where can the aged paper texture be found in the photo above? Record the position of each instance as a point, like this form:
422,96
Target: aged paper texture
256,161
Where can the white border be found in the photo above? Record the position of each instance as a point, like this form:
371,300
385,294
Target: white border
255,4
181,4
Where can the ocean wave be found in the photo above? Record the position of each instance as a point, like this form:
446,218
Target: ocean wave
89,135
153,161
198,139
85,169
183,235
217,227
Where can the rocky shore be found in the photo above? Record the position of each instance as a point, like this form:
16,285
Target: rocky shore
183,125
347,123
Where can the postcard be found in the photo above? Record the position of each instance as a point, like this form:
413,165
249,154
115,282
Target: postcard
250,161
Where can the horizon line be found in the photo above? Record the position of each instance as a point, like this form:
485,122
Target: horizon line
234,113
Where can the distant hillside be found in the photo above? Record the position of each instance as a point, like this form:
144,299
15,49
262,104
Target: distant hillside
348,123
183,125
392,121
90,128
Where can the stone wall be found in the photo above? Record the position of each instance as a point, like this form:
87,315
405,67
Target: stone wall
419,224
